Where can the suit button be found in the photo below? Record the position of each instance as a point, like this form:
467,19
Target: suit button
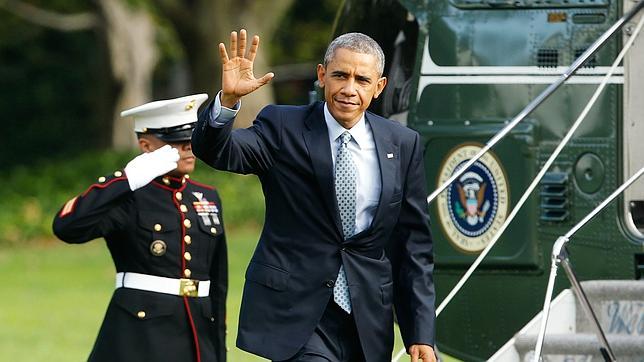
329,283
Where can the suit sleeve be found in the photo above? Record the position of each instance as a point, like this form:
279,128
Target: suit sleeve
411,253
94,213
219,290
245,151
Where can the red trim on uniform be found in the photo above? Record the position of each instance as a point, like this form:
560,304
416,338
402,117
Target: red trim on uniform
103,185
183,263
202,185
194,330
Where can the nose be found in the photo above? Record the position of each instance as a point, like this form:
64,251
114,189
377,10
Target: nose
186,146
349,89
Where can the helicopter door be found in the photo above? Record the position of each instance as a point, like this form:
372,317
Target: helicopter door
633,147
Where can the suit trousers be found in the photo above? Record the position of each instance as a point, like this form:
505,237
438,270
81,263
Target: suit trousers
335,339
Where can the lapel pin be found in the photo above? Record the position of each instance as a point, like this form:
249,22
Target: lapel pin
390,155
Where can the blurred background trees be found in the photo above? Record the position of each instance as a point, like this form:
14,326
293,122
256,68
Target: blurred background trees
69,67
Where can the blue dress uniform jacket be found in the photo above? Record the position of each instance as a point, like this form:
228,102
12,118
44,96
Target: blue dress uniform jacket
156,230
290,278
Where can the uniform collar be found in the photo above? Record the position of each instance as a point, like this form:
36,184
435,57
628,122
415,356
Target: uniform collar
172,182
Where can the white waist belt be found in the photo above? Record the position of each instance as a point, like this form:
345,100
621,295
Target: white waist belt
153,283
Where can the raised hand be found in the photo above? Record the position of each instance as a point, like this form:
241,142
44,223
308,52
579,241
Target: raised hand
238,79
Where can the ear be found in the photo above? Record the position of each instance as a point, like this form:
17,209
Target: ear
380,85
321,72
145,145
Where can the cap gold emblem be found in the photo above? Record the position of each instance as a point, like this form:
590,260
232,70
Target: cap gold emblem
190,105
158,247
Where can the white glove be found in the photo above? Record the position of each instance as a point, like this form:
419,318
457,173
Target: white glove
146,167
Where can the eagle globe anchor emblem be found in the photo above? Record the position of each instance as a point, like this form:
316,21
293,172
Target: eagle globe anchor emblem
471,205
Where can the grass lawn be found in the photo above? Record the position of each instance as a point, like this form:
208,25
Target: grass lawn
54,297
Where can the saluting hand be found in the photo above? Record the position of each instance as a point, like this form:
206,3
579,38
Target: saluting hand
147,166
238,79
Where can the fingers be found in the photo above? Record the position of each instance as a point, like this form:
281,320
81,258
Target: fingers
413,353
242,43
266,78
233,44
223,54
253,48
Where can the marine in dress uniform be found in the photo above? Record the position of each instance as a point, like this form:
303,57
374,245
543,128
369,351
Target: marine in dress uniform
165,233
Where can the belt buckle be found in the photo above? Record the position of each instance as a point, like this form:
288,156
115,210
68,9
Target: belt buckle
188,287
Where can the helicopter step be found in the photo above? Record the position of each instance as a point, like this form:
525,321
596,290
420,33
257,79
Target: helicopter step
619,306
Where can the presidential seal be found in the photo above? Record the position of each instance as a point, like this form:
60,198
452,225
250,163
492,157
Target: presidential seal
473,208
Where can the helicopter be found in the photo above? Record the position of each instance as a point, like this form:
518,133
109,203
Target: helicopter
458,71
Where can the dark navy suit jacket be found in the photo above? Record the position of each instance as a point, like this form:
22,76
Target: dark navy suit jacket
289,280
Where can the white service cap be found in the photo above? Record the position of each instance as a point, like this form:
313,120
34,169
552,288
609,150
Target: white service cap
165,117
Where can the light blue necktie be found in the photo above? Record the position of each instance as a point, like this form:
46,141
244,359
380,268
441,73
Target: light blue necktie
345,192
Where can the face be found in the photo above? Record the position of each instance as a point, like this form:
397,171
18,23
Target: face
350,82
186,163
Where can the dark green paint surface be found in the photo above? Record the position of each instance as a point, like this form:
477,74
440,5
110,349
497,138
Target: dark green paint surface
508,288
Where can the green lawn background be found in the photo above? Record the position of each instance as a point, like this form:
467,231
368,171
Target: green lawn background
55,295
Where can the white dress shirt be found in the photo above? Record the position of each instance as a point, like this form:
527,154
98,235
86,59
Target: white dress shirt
363,152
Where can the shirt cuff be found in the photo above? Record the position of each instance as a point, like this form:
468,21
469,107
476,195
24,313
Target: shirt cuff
220,115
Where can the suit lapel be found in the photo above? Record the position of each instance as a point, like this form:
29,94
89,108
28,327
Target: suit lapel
316,137
388,159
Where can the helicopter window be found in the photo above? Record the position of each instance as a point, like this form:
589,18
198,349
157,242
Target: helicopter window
522,4
388,23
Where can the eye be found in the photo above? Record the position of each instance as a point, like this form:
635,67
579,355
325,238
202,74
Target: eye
363,80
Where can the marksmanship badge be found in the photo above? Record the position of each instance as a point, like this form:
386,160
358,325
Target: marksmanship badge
473,208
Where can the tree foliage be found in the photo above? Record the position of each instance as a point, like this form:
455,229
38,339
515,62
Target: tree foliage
68,67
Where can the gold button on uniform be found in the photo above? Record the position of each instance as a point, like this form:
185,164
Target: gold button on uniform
183,208
141,314
118,173
213,230
157,227
187,239
179,196
187,223
187,273
166,181
187,256
101,179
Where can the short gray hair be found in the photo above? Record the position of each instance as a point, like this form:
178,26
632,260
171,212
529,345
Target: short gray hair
359,43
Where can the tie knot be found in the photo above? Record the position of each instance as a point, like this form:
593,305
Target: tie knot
345,137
